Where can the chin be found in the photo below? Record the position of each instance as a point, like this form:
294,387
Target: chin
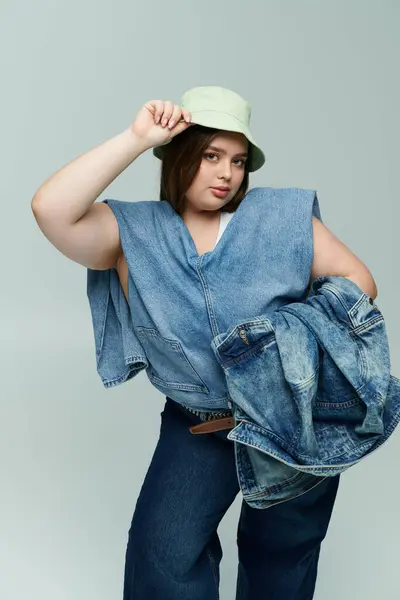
212,204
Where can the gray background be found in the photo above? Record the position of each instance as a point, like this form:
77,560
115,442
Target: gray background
323,81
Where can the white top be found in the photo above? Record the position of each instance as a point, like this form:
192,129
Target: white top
223,222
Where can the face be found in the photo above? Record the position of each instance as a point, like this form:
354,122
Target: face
223,164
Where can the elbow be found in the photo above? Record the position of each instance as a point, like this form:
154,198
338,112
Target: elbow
36,206
365,282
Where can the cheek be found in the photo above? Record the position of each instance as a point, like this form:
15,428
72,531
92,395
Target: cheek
202,175
205,167
239,178
197,184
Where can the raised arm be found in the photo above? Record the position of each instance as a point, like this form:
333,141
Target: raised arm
64,206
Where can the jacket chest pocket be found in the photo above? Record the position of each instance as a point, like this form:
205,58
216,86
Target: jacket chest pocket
169,367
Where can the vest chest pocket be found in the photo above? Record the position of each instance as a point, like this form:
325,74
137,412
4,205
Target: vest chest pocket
169,367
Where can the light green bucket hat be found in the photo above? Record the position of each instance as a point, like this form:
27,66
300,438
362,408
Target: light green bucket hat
221,108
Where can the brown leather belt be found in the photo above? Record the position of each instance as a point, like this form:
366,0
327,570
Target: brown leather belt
216,421
213,425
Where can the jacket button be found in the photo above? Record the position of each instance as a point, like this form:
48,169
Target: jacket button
243,335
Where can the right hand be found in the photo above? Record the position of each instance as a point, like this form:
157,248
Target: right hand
148,124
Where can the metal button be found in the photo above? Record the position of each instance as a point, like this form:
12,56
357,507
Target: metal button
243,335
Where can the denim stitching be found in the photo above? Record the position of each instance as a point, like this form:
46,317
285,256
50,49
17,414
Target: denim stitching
214,570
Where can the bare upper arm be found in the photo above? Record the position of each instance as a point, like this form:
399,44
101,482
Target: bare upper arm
332,257
93,241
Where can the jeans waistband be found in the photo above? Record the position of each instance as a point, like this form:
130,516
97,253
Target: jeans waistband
209,415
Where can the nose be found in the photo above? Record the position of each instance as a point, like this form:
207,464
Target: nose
225,170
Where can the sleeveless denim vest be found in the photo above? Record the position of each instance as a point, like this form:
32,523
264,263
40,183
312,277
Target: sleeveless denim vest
179,301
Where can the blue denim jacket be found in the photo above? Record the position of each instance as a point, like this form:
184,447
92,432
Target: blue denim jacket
312,390
179,301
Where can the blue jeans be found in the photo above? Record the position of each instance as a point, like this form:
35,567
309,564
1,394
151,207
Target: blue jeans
174,551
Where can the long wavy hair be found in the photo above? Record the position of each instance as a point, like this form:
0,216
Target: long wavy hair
181,160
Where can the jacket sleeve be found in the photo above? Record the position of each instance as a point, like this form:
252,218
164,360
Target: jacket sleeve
119,354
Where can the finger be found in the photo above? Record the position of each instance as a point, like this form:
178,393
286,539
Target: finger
186,115
157,106
175,116
180,127
168,109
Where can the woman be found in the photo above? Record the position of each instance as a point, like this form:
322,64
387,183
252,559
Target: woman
207,151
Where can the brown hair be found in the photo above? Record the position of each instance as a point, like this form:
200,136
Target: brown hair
181,160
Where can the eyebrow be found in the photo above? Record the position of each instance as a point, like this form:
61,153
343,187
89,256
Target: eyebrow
224,151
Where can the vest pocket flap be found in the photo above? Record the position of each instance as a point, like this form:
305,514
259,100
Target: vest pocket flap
169,365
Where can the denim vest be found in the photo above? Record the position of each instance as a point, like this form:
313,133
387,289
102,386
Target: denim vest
179,301
311,388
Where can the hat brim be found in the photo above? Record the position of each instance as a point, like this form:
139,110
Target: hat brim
226,122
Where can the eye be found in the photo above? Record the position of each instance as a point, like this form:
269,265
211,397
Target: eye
241,160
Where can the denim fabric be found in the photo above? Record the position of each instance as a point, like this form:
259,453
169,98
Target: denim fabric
174,551
311,390
179,301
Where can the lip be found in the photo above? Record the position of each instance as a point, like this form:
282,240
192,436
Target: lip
221,188
219,193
